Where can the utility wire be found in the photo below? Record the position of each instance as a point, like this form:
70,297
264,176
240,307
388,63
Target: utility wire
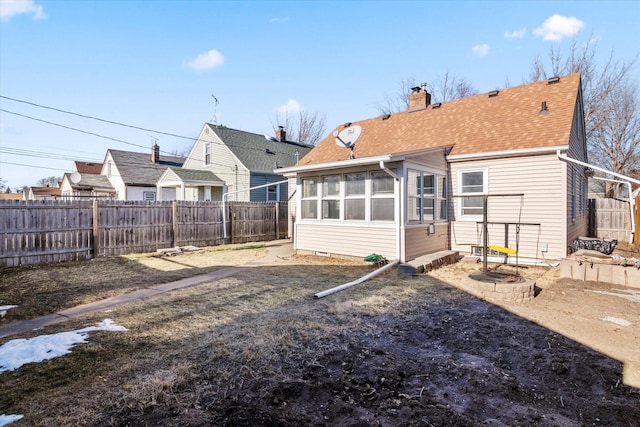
98,135
125,125
33,166
53,156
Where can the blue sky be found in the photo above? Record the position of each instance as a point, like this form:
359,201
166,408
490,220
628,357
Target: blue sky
156,64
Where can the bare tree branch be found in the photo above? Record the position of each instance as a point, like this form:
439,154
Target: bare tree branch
304,127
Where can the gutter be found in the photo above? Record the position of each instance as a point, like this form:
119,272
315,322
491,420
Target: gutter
505,153
625,178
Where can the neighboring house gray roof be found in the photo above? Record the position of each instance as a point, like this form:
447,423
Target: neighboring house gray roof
91,181
196,175
138,169
257,153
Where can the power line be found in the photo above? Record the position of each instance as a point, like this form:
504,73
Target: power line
71,128
125,125
95,118
32,166
53,156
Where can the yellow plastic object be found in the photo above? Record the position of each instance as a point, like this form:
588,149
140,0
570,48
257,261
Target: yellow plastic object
502,249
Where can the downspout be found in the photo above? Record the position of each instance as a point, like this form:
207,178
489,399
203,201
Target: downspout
627,179
631,203
400,201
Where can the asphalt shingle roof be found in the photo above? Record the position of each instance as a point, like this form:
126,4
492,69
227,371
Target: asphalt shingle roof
477,124
93,182
195,175
256,152
88,167
138,169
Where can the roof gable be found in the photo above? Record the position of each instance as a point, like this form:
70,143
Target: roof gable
509,120
138,169
257,152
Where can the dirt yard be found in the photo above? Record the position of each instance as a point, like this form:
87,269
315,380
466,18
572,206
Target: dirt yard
258,349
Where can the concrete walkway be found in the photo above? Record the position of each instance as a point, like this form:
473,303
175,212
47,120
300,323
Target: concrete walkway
275,249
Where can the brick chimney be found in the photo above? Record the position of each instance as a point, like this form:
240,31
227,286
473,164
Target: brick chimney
155,153
281,134
419,98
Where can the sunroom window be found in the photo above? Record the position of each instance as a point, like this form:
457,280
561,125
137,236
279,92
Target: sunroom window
354,202
382,197
309,198
331,197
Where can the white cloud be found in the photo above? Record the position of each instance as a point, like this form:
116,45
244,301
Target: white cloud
480,49
278,20
11,8
518,34
206,61
557,27
292,106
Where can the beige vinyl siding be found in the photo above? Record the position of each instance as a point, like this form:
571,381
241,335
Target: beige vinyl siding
223,164
541,180
435,161
350,240
418,242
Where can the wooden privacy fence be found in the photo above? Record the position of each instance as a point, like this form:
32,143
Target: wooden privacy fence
609,218
34,232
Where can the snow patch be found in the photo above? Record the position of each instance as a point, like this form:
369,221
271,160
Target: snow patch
15,353
3,311
8,419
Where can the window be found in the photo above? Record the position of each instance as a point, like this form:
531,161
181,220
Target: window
207,194
442,197
354,202
426,194
109,169
331,197
207,153
309,198
272,193
382,197
149,196
472,182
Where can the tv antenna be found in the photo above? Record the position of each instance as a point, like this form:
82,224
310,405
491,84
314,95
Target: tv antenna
214,119
347,138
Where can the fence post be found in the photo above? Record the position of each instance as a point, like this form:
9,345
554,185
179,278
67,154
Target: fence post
96,233
231,215
174,223
277,220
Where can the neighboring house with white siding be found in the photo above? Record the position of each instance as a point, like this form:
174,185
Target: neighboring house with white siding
134,175
415,181
224,160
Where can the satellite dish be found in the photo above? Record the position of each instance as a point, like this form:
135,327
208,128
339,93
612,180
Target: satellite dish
75,177
348,137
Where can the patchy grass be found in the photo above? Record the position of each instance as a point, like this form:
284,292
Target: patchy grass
258,349
45,289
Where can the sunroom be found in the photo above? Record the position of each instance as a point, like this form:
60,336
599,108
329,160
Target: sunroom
394,206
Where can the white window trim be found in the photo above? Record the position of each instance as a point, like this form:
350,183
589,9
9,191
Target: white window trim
339,197
485,191
207,162
277,187
436,197
315,198
362,196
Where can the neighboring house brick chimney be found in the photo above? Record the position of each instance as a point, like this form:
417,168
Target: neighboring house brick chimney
281,134
419,98
155,153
